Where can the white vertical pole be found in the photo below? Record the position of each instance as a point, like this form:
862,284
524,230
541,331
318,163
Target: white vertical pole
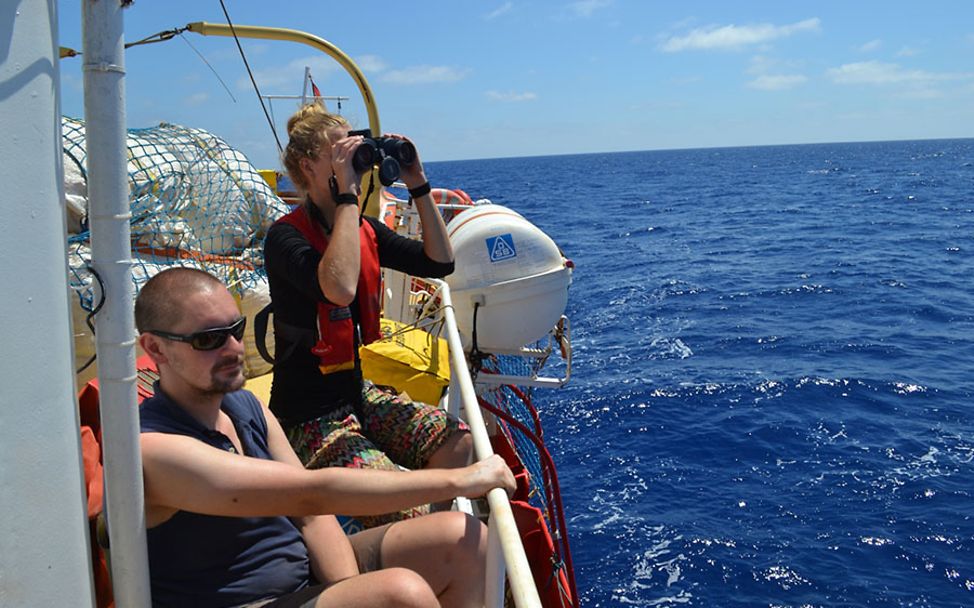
108,195
44,544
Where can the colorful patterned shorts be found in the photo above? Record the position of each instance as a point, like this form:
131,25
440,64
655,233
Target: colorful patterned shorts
388,432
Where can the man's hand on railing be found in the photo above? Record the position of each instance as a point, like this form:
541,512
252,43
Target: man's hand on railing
481,477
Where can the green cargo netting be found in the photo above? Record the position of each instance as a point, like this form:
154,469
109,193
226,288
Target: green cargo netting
195,201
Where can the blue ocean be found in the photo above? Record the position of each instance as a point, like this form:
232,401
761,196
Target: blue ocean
772,400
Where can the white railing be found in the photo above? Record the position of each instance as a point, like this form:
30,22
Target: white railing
505,553
430,305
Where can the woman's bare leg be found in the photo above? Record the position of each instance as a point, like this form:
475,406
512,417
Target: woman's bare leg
456,452
390,588
447,549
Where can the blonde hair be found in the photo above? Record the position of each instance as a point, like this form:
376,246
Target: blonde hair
307,132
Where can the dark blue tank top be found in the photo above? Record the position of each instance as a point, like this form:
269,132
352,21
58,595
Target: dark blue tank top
210,561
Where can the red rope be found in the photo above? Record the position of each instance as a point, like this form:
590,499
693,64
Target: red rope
549,466
526,400
534,411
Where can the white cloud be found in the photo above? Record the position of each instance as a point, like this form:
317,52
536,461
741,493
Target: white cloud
586,8
197,99
761,64
907,52
511,96
425,74
497,12
731,37
682,23
764,69
370,63
871,46
921,93
879,73
257,48
656,106
289,79
777,82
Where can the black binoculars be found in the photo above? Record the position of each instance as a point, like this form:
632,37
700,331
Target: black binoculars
385,152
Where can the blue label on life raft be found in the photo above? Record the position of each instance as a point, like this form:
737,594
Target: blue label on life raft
501,247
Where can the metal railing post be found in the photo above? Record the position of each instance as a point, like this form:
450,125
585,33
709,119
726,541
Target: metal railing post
503,525
111,257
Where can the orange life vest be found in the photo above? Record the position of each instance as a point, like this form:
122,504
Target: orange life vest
336,343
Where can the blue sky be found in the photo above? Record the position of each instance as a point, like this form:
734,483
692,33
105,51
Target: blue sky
522,78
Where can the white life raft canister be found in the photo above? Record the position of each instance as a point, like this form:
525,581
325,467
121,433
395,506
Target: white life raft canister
513,270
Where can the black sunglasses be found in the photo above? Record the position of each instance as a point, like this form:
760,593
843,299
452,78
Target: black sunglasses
208,339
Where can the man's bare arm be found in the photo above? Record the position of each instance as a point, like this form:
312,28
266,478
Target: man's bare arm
186,474
331,555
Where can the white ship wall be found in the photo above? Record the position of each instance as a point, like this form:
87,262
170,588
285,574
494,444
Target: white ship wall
44,559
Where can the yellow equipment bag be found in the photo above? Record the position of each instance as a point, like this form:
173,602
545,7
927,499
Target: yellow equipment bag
411,361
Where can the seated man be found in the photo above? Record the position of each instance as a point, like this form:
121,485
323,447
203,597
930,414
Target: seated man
222,486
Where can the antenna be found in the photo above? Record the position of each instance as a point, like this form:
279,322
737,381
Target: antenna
315,93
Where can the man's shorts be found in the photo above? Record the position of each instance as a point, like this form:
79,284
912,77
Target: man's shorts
388,432
367,547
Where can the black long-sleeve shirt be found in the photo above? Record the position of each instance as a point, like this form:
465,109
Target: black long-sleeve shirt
300,391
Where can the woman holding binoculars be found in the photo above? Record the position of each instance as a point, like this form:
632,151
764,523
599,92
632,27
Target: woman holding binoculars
323,264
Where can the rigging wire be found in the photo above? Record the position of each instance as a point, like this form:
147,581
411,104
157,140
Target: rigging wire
158,37
270,122
170,34
162,36
225,87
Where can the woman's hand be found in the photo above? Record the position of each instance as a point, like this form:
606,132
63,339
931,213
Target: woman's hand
483,476
412,175
342,153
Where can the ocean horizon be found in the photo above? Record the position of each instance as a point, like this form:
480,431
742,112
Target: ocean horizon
704,149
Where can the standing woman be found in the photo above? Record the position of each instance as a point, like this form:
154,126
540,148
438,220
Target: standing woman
323,263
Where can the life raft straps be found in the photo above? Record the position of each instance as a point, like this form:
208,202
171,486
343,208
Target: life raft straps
260,332
293,336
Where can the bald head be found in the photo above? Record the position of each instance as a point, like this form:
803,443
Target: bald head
159,305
